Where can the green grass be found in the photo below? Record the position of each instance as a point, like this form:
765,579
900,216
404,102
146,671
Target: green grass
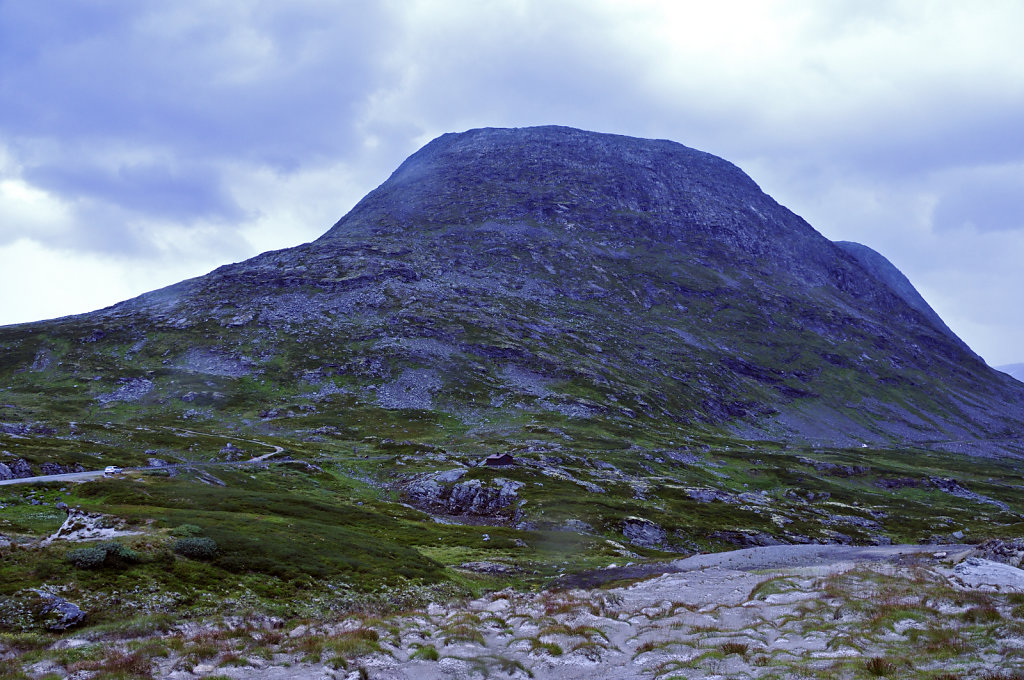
283,533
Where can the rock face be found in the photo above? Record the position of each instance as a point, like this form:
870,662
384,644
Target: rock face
58,469
898,283
1016,370
643,532
442,492
555,274
15,469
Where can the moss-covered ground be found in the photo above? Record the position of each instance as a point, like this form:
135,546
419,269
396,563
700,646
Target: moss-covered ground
290,536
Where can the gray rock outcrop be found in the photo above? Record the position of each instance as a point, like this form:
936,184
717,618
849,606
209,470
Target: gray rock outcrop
955,488
130,390
977,573
58,469
1009,552
87,526
442,492
643,532
15,469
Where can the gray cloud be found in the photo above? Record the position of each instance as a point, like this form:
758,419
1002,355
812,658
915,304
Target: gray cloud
269,82
144,130
984,199
176,193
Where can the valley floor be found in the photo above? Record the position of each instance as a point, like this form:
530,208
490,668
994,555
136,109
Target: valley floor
775,612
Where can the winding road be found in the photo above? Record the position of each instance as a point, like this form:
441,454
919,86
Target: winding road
94,474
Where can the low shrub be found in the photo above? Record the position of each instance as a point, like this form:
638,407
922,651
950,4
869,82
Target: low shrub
87,558
186,531
879,667
984,613
120,553
427,653
108,553
196,547
735,648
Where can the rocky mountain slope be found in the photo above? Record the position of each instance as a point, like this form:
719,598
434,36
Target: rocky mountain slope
545,277
898,283
676,362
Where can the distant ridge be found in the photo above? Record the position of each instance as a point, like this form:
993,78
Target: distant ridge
886,271
1016,370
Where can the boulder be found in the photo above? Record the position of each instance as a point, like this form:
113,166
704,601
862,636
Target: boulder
1009,552
15,469
442,492
977,573
231,451
56,613
643,532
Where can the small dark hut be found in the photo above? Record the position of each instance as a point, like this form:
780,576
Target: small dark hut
498,459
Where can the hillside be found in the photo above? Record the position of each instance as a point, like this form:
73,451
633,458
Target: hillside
549,275
675,361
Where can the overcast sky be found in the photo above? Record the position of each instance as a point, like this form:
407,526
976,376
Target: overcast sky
146,142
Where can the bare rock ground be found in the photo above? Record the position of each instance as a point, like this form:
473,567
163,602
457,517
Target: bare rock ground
774,612
770,612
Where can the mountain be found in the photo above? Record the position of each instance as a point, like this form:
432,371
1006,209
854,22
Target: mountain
503,281
674,362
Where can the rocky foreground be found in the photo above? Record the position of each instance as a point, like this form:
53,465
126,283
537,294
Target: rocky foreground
774,612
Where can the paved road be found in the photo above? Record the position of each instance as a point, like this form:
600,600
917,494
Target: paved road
69,477
94,474
756,559
796,556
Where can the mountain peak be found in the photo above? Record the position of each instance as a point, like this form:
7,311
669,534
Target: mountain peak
538,173
625,190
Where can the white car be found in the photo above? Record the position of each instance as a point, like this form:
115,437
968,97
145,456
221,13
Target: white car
112,470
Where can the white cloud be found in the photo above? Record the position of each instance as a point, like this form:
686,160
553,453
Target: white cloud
27,210
44,283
